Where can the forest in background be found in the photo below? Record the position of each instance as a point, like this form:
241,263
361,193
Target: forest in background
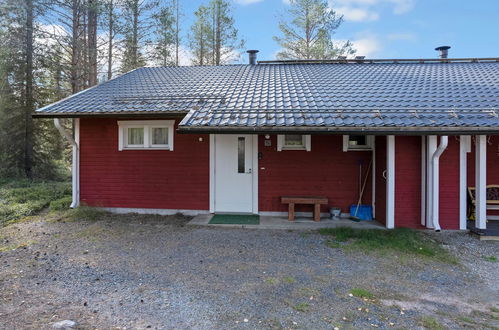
50,49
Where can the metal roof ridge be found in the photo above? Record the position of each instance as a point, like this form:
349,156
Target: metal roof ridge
386,60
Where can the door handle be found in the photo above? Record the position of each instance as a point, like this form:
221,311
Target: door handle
249,171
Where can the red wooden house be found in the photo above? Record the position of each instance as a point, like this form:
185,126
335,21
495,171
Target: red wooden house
236,138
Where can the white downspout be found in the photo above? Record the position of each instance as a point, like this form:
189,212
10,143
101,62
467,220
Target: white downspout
75,168
444,141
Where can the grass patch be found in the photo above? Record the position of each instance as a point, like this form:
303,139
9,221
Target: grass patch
431,323
86,213
271,281
288,279
490,258
332,244
362,293
61,204
301,307
11,247
494,309
396,240
23,198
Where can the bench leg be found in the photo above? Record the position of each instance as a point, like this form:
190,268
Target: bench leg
291,211
317,212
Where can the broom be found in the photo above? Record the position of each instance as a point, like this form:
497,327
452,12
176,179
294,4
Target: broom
354,217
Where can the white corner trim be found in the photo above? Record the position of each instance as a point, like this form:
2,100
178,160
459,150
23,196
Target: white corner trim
212,173
390,182
481,182
431,147
75,163
464,148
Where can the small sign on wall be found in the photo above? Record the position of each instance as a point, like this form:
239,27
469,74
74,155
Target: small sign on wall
268,143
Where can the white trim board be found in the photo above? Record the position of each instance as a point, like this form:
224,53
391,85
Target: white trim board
127,210
390,181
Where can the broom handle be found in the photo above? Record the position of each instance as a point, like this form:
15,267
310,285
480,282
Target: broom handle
363,187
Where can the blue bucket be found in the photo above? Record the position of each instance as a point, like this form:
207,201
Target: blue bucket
365,212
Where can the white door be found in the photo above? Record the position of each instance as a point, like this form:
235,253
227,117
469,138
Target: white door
233,171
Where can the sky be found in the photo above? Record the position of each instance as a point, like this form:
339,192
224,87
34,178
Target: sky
382,28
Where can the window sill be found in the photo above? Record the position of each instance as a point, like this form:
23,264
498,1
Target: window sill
141,148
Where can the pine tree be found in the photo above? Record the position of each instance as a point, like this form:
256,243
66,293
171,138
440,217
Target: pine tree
164,46
214,38
198,38
224,38
309,33
111,24
137,23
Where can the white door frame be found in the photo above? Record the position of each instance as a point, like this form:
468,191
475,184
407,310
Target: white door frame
254,173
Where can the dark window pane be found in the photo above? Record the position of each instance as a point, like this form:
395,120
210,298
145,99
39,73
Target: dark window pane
293,140
357,140
240,155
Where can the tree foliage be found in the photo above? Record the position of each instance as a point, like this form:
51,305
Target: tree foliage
309,32
214,39
50,49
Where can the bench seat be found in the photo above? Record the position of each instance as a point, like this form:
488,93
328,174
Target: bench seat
317,201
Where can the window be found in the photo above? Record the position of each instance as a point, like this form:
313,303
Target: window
145,135
241,143
293,142
357,142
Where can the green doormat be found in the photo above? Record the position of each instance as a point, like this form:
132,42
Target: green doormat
235,219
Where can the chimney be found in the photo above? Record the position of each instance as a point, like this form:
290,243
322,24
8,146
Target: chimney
444,51
252,56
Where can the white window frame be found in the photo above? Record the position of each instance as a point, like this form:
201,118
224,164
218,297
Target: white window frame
367,147
147,125
307,144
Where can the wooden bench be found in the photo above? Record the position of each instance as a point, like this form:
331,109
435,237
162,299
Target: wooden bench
492,193
293,200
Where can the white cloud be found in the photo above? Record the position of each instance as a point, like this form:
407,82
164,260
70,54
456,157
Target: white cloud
402,6
368,10
357,14
247,2
367,45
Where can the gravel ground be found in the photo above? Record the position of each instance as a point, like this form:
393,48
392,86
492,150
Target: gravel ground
134,272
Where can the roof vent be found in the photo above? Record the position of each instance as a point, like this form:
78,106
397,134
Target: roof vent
252,56
342,57
444,51
359,59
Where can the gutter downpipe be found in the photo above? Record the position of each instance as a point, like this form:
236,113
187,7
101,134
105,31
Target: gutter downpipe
75,166
444,141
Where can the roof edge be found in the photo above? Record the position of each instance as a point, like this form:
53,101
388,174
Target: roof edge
163,114
386,60
340,130
42,109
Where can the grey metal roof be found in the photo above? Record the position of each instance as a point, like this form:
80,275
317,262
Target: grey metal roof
327,96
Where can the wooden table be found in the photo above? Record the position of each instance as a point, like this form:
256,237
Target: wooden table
309,200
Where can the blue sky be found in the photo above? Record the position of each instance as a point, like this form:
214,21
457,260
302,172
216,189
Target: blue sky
383,28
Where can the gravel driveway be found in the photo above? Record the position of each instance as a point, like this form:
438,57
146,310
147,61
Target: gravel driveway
132,271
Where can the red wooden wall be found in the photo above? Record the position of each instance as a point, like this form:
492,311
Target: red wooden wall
324,171
408,181
160,179
449,185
